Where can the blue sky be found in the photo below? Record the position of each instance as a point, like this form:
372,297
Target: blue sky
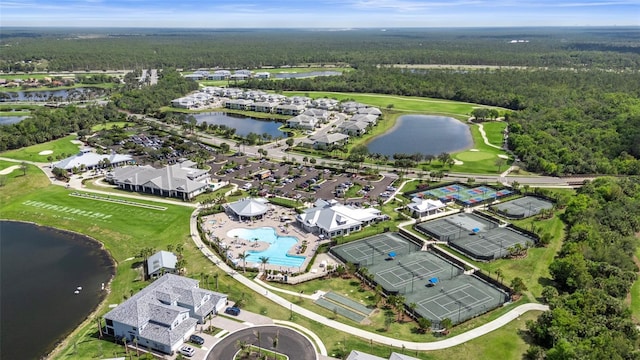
336,14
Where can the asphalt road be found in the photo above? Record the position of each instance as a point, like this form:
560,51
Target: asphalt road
290,342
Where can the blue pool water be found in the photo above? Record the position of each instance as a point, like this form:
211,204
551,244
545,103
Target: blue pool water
277,251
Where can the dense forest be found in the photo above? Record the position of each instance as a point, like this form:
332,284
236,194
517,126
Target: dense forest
592,275
95,49
568,122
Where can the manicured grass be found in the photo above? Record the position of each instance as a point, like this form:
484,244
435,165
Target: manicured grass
505,343
494,130
111,125
15,107
474,156
422,105
61,148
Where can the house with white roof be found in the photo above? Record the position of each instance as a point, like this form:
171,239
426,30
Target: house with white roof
161,262
330,218
238,104
88,160
181,180
324,103
368,118
421,207
164,314
351,107
219,75
263,106
370,111
303,121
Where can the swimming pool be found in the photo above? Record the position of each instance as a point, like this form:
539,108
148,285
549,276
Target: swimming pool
278,246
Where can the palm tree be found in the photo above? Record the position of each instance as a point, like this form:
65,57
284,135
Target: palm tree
424,324
243,346
265,261
499,275
446,324
259,338
243,257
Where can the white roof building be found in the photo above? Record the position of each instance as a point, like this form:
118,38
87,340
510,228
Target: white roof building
249,208
424,207
162,261
303,121
164,314
330,218
88,160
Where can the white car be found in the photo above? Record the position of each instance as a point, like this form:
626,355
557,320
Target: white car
187,351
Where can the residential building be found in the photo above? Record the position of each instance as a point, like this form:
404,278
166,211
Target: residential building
351,107
353,128
324,103
370,111
263,106
368,118
290,109
330,218
327,140
88,160
320,114
262,75
164,314
181,180
160,263
238,104
303,122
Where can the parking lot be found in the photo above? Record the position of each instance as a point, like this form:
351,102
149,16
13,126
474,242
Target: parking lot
298,182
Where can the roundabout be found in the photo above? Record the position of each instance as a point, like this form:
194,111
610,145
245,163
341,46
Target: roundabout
289,342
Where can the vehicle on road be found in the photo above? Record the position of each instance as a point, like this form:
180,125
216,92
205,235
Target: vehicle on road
187,351
232,310
196,339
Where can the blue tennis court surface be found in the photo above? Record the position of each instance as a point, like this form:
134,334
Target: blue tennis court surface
463,194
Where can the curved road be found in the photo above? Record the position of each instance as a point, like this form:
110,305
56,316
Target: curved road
290,342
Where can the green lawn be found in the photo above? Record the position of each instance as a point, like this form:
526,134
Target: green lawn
74,86
494,130
61,148
457,109
14,113
111,125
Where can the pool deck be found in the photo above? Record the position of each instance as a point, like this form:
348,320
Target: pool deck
223,224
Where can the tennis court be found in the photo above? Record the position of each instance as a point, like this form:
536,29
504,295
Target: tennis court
374,249
464,195
458,299
477,237
439,288
523,207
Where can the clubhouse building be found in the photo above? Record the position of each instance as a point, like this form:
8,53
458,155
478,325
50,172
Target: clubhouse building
181,180
330,218
88,160
163,315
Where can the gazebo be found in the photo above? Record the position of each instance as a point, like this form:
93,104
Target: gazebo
249,208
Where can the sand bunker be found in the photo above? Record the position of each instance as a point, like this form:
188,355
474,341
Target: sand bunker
77,142
457,162
502,156
9,170
474,150
45,152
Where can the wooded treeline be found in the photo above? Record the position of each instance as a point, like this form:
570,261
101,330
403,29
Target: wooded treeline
568,122
592,276
112,49
46,124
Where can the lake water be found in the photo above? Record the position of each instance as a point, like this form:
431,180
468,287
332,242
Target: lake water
8,120
243,124
302,75
47,95
40,269
426,134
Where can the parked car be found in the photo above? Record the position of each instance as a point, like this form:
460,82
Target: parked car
187,351
232,310
196,339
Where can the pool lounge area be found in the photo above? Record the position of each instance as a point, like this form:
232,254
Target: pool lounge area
279,249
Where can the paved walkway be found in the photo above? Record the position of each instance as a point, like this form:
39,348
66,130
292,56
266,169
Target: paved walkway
372,336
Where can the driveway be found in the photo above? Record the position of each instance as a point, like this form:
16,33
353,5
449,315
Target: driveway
290,342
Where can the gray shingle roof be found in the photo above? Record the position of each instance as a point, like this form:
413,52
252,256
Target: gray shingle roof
178,177
249,207
156,307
